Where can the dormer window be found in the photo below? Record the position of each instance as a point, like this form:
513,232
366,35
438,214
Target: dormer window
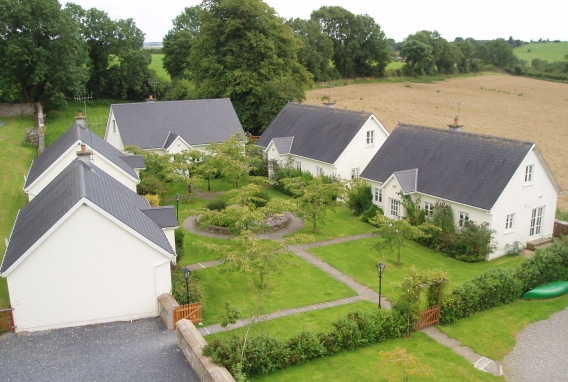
529,174
370,137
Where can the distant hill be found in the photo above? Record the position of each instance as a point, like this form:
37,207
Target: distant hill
551,51
152,45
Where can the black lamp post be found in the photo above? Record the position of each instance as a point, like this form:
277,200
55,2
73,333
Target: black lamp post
380,268
177,206
186,273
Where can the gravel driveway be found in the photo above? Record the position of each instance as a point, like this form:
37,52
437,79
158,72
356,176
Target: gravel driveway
541,352
140,351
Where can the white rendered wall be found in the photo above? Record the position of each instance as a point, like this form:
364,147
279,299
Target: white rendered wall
358,154
88,271
69,157
112,134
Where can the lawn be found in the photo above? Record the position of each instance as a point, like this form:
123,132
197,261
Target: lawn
550,52
494,332
302,284
286,327
394,65
363,364
157,65
17,156
358,260
58,121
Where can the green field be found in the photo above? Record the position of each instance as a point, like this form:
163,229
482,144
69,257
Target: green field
156,64
550,52
395,65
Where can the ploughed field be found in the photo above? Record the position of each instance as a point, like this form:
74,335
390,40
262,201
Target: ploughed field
501,105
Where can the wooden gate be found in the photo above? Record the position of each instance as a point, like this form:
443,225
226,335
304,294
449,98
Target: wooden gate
6,320
428,317
191,312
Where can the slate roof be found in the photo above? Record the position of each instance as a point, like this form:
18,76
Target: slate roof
134,161
320,133
283,145
76,181
163,216
407,179
468,168
69,138
151,125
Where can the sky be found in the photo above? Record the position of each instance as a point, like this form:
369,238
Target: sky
481,19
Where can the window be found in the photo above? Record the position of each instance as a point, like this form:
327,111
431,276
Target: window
464,217
509,221
298,165
378,195
114,126
529,174
370,137
428,208
394,207
319,171
354,173
536,221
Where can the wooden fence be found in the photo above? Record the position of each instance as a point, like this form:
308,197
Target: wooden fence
428,317
6,320
192,312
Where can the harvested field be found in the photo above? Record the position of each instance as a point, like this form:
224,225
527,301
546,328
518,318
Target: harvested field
501,105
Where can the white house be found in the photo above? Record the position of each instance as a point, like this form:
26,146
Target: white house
169,127
87,250
503,182
81,141
323,140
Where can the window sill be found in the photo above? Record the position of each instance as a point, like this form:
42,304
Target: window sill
528,184
509,231
370,145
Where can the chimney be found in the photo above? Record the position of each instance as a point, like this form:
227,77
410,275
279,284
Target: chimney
80,120
150,98
84,154
455,126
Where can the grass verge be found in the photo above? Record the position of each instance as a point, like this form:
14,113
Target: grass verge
493,333
358,260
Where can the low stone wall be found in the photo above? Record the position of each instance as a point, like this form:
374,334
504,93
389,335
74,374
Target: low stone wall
191,342
560,228
167,304
281,223
17,109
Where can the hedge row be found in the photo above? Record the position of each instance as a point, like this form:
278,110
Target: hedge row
264,354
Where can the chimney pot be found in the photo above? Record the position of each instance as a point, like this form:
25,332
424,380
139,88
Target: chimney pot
83,147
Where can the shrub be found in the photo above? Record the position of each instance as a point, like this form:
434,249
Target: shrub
289,172
179,234
548,265
359,196
154,200
151,184
472,242
216,205
304,347
179,291
370,213
260,199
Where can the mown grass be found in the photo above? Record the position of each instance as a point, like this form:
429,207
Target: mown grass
302,284
493,333
286,327
561,215
157,65
58,121
16,157
394,65
358,260
364,364
550,52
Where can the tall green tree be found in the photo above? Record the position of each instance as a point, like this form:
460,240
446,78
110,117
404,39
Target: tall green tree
42,54
118,67
499,53
178,42
247,53
360,46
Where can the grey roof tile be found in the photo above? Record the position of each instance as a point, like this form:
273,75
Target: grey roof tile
319,133
69,138
463,167
163,216
283,145
407,180
148,125
134,161
78,180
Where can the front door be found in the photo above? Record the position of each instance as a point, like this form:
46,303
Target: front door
536,221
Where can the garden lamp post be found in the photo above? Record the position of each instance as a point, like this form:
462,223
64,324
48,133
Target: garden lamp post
177,206
186,273
380,268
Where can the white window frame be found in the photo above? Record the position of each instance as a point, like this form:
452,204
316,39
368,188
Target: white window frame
355,173
394,208
536,221
370,137
319,171
378,196
428,208
463,217
510,222
298,165
529,174
114,126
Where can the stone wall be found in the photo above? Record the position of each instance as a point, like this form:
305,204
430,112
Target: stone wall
167,304
17,109
277,225
191,342
560,228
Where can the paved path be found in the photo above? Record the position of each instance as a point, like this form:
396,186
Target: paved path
144,350
479,362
